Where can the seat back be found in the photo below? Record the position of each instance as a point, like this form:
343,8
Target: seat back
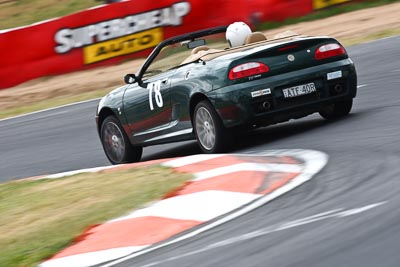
199,48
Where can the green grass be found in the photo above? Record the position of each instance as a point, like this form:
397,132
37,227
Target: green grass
39,218
325,13
15,13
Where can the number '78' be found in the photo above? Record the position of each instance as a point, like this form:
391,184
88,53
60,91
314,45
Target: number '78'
156,87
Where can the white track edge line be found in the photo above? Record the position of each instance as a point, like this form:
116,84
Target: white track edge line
50,109
70,173
247,166
91,258
192,159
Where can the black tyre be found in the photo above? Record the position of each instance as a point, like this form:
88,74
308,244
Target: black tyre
116,144
211,134
336,110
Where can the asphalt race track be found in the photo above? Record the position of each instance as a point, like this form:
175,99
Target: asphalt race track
348,215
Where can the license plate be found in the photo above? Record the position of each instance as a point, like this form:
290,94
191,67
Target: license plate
334,75
300,90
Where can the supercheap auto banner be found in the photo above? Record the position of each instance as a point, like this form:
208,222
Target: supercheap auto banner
108,34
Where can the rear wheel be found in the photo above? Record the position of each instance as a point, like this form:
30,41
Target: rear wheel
336,110
116,144
211,134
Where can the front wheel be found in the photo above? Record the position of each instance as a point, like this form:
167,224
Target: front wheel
211,134
336,110
116,144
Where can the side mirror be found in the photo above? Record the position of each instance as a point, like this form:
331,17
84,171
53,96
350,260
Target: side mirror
130,78
195,43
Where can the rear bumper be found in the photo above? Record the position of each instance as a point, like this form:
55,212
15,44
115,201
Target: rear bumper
236,105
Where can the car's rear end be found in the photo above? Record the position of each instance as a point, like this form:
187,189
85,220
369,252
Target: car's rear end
266,84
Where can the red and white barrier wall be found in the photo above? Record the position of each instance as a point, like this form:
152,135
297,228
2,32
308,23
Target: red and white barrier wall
107,34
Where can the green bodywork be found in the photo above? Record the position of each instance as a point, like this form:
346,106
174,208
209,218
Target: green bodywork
184,86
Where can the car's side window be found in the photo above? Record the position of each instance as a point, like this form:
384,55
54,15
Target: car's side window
160,64
152,70
169,57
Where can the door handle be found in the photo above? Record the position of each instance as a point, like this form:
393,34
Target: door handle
164,81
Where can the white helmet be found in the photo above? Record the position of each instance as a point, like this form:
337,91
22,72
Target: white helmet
236,33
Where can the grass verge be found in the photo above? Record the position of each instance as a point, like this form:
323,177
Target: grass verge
52,102
15,13
39,218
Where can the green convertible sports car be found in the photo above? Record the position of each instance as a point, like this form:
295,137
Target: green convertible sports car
195,86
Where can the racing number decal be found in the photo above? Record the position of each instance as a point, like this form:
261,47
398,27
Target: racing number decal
156,87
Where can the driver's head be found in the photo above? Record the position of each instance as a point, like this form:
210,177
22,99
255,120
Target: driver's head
236,33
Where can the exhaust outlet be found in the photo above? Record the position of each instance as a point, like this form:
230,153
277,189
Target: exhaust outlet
266,105
338,88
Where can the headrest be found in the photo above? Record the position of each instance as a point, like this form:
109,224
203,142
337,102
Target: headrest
255,37
200,48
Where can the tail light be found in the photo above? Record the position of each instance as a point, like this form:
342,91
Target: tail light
247,69
329,50
289,47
